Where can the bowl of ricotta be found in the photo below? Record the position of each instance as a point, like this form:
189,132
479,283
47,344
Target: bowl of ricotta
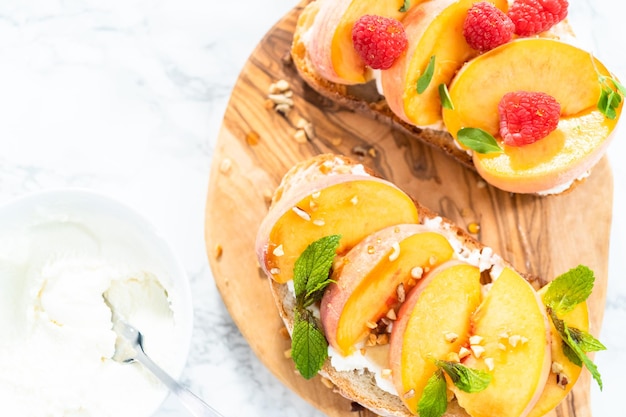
69,260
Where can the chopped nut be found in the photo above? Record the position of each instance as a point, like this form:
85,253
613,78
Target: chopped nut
556,368
385,373
319,222
283,108
275,271
490,363
477,350
354,200
514,340
371,340
409,394
417,272
395,252
281,99
562,380
501,346
371,325
282,85
372,152
524,340
475,340
278,251
391,314
464,352
382,339
450,337
504,335
400,292
300,136
301,213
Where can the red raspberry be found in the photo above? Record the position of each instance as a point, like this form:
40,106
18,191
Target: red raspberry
526,117
535,16
379,40
486,27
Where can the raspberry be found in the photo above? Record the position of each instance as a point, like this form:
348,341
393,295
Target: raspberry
526,117
486,27
535,16
379,40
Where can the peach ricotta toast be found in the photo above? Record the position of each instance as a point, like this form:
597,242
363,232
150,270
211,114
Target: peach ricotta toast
499,85
406,313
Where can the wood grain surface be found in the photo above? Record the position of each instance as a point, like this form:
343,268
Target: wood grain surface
256,145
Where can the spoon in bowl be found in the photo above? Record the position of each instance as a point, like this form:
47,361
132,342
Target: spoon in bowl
196,406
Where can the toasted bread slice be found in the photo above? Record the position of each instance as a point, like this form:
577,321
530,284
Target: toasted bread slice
359,386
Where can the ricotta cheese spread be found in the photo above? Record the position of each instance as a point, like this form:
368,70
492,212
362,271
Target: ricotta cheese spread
62,276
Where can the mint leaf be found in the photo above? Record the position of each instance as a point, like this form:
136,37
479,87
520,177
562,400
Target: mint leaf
611,95
309,348
466,379
434,399
478,140
444,96
311,270
586,341
569,289
424,80
405,6
574,347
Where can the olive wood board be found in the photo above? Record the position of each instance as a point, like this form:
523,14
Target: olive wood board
256,145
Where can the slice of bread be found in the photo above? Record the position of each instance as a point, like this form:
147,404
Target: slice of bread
363,99
355,385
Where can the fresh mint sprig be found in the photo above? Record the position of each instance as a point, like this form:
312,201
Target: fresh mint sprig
478,140
405,6
311,276
434,399
424,80
611,95
563,294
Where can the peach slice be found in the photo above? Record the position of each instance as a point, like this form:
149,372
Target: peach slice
368,277
330,42
350,207
433,322
434,28
513,345
553,393
561,70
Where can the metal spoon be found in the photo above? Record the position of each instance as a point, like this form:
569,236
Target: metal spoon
196,406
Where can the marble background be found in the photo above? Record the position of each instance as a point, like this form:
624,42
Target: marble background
126,97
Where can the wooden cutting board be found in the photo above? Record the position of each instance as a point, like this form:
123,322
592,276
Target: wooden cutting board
256,145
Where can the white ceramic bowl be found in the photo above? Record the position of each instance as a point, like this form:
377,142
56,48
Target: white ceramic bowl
58,248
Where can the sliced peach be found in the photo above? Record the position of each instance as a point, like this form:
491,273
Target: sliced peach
434,28
554,393
350,208
433,322
367,280
331,48
561,70
513,345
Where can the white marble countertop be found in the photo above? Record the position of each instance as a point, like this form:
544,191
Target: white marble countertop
126,97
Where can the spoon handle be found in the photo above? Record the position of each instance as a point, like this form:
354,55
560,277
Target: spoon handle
196,406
